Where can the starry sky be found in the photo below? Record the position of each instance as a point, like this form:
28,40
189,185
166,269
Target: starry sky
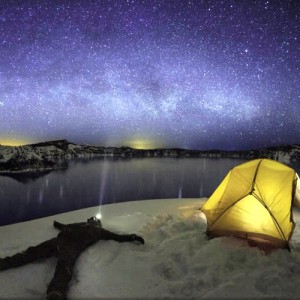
196,74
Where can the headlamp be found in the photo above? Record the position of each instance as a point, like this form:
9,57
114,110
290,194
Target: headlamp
94,220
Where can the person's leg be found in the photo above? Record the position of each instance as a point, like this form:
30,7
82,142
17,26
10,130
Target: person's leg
67,256
43,250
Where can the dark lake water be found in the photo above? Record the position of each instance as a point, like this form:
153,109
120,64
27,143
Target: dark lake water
86,183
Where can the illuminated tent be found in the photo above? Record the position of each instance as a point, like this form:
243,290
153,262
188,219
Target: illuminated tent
254,201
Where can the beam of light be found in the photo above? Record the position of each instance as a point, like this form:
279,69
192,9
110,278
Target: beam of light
99,215
61,191
180,191
102,187
41,196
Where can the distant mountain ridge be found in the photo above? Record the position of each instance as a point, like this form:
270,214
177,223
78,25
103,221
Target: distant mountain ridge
46,155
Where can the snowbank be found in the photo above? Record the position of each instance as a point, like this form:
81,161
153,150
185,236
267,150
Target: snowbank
177,260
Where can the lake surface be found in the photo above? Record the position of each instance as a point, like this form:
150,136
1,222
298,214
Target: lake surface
86,183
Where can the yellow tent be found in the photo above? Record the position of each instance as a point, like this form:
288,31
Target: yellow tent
254,201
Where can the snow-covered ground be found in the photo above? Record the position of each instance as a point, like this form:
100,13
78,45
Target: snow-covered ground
177,261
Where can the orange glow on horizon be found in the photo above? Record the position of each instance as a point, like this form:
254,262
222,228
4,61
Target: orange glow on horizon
13,142
142,143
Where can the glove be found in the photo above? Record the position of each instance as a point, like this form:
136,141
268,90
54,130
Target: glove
136,238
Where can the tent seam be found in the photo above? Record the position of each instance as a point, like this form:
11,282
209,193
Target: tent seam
272,216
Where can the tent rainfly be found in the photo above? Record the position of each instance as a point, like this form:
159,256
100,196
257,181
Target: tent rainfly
254,201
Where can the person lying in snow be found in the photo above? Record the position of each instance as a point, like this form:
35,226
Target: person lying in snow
67,246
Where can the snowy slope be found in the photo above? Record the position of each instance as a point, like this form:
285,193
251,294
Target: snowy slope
177,261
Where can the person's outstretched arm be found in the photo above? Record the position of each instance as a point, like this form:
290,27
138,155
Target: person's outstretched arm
58,225
108,235
61,226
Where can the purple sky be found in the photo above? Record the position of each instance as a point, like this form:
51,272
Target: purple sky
190,74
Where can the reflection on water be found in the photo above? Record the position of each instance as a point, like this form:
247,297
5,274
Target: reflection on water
103,180
26,176
87,183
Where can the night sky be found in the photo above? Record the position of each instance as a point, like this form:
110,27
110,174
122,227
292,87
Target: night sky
151,73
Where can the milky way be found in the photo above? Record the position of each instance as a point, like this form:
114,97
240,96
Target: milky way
190,74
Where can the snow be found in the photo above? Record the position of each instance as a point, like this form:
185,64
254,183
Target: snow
6,152
284,157
177,261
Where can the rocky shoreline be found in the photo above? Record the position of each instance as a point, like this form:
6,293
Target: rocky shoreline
45,156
